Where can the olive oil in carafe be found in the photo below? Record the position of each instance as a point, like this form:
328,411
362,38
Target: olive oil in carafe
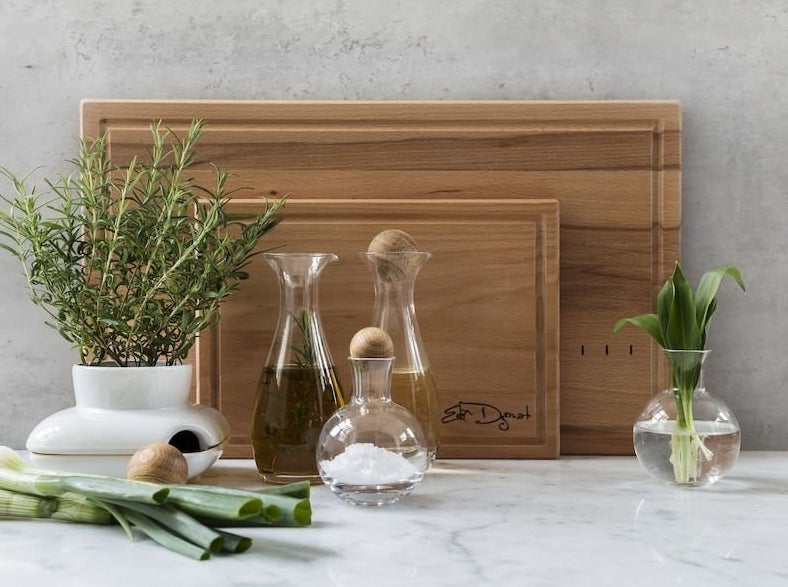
298,388
415,391
292,404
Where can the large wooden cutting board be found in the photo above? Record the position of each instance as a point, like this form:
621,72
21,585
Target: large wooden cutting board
613,166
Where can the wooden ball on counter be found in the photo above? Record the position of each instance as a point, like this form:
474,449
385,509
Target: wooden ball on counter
158,462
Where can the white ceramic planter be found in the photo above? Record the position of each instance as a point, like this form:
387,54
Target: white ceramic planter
119,409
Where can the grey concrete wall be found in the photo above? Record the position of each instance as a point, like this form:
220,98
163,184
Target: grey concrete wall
724,59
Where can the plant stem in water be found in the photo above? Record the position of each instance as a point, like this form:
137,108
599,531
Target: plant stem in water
686,444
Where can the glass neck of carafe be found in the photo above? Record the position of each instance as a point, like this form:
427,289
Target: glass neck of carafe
299,336
371,379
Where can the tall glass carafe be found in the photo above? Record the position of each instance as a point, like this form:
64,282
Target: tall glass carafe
412,381
298,389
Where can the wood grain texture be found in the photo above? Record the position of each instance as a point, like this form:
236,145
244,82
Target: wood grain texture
614,167
490,328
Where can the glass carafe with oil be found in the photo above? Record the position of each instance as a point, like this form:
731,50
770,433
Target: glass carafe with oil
395,263
298,389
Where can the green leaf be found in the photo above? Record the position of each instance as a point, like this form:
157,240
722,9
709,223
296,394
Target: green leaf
682,331
648,322
706,291
664,304
709,313
682,319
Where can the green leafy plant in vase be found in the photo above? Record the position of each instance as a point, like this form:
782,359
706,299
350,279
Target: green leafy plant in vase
131,263
680,326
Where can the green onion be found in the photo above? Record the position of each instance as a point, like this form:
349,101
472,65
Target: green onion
299,489
76,508
295,511
20,505
165,538
217,502
299,514
15,475
179,522
179,517
119,516
71,508
283,509
255,522
234,543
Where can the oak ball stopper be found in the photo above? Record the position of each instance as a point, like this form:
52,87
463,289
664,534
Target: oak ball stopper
389,247
371,343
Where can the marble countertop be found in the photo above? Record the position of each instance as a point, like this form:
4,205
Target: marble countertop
582,521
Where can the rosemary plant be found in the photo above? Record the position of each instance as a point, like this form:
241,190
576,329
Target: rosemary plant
131,263
682,324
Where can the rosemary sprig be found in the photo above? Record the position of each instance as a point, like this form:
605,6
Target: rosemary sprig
304,352
131,263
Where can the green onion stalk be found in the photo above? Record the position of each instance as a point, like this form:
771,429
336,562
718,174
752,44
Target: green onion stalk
187,519
680,327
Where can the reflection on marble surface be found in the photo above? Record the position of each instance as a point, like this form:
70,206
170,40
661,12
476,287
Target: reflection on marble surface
575,521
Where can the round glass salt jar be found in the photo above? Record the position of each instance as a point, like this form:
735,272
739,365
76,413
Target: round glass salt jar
372,451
